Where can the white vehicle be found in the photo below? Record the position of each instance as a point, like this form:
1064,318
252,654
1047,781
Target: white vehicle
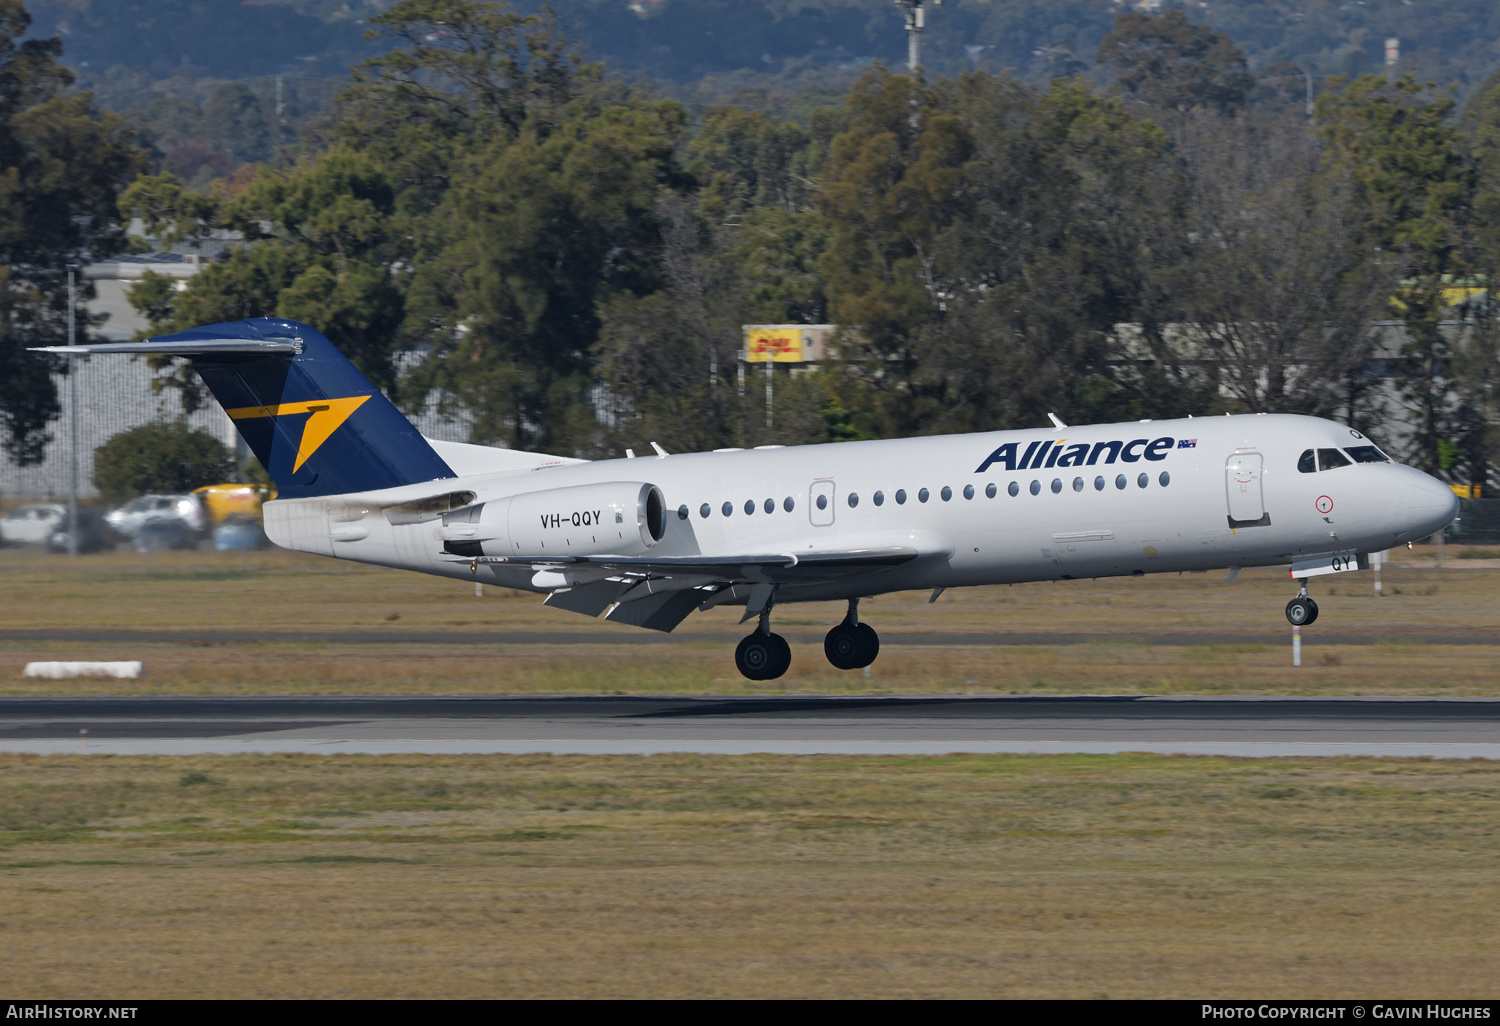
31,525
181,516
647,541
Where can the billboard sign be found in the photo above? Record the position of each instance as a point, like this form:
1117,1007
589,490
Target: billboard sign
776,344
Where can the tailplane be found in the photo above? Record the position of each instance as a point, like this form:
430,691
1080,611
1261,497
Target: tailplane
311,418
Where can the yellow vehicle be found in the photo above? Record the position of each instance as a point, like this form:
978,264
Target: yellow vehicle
232,500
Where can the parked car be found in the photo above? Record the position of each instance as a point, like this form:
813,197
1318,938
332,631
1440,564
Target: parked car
239,533
152,523
93,532
30,525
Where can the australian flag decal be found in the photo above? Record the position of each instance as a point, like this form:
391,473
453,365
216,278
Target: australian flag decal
1187,443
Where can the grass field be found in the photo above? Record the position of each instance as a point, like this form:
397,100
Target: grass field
279,591
330,876
681,875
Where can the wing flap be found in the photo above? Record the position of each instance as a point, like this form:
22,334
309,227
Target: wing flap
661,612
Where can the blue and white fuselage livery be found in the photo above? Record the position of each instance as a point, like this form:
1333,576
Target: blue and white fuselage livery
646,541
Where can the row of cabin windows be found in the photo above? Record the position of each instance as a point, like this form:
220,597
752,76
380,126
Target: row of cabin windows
923,495
1329,459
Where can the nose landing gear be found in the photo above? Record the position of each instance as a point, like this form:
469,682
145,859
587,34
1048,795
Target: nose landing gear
852,645
763,655
1301,610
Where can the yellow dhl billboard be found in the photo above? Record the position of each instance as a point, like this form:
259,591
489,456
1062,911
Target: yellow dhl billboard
778,345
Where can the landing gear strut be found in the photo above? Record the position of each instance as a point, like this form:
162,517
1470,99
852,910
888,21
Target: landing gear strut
852,645
1301,610
763,655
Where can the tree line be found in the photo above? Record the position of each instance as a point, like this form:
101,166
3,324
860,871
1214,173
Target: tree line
574,255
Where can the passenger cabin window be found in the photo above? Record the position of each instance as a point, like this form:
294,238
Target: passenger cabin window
1305,463
1367,454
1330,458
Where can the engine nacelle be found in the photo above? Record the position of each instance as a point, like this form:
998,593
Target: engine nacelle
618,519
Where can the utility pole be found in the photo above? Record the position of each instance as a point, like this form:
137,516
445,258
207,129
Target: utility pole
916,21
769,378
72,415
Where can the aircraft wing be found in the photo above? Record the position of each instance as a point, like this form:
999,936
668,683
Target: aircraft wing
770,568
658,592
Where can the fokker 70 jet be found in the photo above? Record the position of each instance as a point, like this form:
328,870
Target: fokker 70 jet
648,540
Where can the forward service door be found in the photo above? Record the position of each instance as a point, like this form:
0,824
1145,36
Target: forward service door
1242,482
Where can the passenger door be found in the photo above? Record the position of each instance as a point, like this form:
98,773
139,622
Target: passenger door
820,502
1242,482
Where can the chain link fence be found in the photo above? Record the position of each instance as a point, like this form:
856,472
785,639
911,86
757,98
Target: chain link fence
115,394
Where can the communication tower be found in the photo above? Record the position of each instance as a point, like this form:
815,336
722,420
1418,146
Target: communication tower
916,20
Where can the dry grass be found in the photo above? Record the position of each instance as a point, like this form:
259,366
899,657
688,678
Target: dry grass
274,591
683,875
278,590
1116,668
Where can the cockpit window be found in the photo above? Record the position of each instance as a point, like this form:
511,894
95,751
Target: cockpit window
1305,464
1330,458
1367,454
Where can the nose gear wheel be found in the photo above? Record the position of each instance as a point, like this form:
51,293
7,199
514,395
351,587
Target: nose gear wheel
1301,611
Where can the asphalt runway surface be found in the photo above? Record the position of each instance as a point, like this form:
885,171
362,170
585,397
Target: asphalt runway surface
1252,727
635,636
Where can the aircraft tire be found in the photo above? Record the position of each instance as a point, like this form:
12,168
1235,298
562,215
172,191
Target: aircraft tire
762,656
1301,611
844,646
783,658
869,645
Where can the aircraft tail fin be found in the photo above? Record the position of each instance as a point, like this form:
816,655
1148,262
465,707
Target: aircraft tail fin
312,419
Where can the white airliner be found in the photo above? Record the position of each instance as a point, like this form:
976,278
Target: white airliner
648,540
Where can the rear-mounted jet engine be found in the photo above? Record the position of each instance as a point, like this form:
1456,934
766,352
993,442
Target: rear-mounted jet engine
617,519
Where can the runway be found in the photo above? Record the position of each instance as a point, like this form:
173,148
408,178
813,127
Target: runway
613,635
1247,727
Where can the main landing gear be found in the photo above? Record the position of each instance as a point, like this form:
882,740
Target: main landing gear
1301,610
763,655
852,645
849,646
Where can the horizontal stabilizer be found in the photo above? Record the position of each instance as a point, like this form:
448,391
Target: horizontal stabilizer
189,347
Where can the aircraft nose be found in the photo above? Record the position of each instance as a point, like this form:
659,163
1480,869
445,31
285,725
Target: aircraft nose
1429,506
